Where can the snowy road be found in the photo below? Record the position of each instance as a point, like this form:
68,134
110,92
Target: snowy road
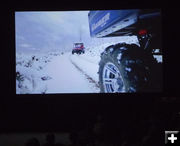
67,78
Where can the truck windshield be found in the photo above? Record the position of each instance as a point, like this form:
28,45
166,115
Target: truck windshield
78,45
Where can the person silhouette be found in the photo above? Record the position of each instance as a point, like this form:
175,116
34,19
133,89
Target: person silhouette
32,142
50,140
74,138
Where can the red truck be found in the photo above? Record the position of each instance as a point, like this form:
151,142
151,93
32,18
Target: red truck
78,48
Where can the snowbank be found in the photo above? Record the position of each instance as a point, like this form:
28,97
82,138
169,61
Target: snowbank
30,75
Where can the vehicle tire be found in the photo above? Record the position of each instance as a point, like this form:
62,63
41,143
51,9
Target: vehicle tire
72,52
125,68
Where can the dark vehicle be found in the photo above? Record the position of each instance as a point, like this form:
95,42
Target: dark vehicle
129,67
78,48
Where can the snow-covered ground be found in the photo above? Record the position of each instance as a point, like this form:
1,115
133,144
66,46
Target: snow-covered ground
50,74
58,72
66,78
30,75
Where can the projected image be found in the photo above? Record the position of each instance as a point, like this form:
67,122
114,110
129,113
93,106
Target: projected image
111,51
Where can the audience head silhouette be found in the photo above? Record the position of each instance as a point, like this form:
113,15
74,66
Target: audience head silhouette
32,142
50,138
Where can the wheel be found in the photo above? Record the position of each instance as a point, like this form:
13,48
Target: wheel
125,68
72,52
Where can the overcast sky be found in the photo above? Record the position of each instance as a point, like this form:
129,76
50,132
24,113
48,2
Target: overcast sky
47,30
42,31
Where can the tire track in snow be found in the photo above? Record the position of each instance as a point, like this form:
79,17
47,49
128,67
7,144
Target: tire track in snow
91,80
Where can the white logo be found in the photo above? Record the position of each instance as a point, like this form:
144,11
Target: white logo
101,22
170,136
